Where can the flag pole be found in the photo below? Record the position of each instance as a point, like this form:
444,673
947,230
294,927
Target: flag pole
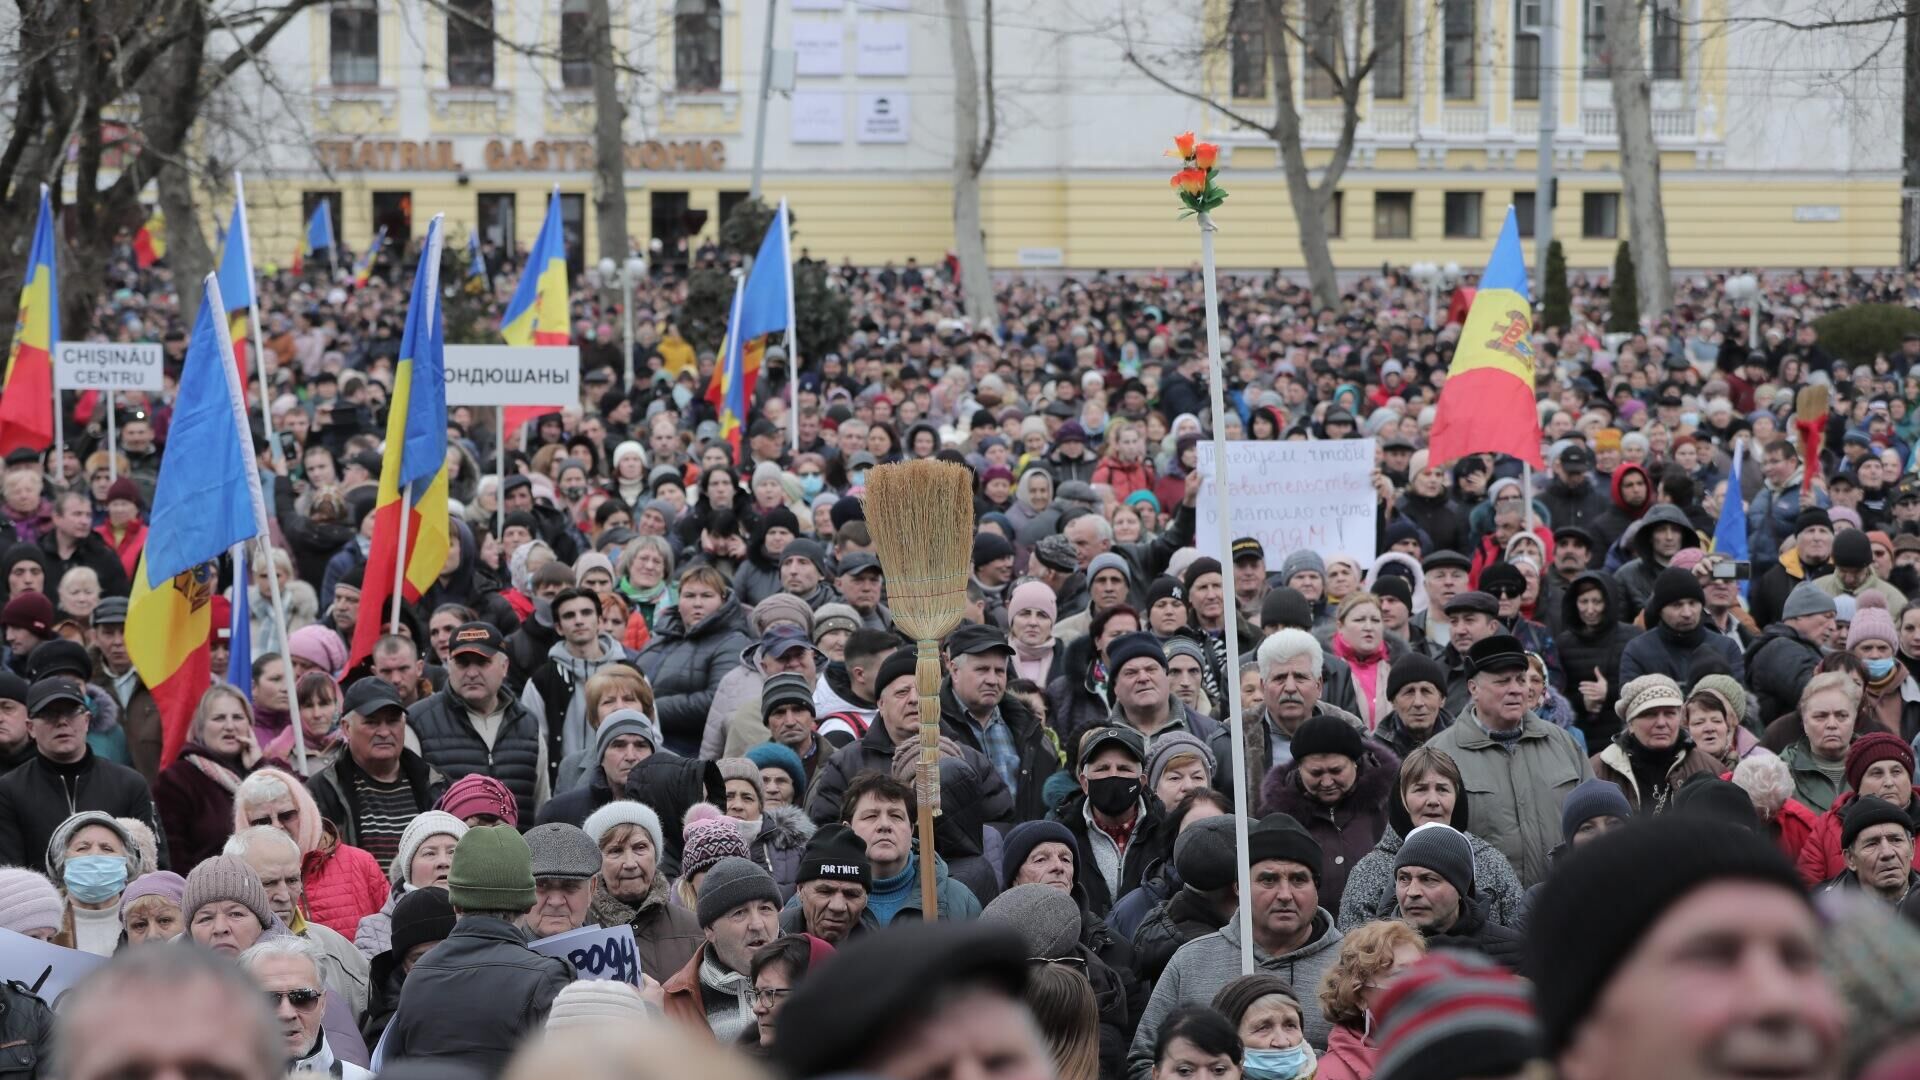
113,443
1216,379
286,658
793,328
400,559
500,489
253,319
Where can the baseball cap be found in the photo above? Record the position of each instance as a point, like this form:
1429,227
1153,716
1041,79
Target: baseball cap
974,638
1112,735
476,637
42,696
857,562
782,638
368,696
1248,548
1576,458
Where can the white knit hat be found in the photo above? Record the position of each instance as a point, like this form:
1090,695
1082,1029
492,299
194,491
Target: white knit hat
28,901
624,812
431,823
595,1002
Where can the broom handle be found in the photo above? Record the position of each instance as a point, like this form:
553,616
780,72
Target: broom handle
926,674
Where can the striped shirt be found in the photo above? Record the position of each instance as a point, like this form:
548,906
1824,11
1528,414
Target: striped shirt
385,810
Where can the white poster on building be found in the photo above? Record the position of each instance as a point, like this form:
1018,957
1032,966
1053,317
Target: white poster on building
818,47
1316,494
882,49
883,118
819,116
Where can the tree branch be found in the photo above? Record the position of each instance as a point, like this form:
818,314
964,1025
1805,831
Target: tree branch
1194,95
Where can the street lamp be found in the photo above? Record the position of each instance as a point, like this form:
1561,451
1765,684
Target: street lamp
630,272
1428,276
1745,289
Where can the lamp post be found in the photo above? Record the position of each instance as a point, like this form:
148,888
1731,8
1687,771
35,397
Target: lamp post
630,271
1745,289
1428,275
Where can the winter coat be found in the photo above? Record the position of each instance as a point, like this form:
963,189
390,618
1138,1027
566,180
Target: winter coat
1125,479
26,1033
1475,931
1820,858
1636,577
1439,518
1078,698
375,934
1204,965
1771,514
312,543
556,693
332,790
1614,764
343,883
670,785
573,805
139,720
1792,828
37,796
1896,600
1347,830
665,934
1260,733
1370,895
449,743
1074,813
1664,651
127,545
1040,749
872,752
685,665
1768,597
1583,505
195,809
1583,650
1185,916
737,687
475,996
1810,785
784,832
91,552
1515,795
1348,1056
1779,665
1615,522
528,646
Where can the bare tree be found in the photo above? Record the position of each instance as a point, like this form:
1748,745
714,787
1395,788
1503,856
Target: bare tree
609,135
971,148
1337,47
1639,157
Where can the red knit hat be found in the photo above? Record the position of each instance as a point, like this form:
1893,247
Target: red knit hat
29,611
1872,747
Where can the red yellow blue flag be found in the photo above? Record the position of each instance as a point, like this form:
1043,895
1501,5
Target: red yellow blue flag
26,400
1487,404
539,311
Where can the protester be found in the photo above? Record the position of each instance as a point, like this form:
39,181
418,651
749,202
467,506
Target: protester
565,861
150,908
289,973
343,882
632,890
91,855
63,777
423,859
194,795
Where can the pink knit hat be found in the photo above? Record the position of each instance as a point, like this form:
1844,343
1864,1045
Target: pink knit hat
320,647
28,902
1871,621
1033,594
477,794
709,838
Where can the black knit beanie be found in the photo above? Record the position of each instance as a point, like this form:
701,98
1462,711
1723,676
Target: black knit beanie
1285,606
1280,836
1672,586
1198,569
1605,896
1414,668
1327,735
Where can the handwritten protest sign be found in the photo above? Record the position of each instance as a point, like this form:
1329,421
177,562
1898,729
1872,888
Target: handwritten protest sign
1315,494
596,953
48,970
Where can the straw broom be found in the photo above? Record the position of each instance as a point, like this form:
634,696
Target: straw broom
1810,407
921,517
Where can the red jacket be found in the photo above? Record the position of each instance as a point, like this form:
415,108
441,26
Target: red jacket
129,546
1125,479
343,884
1819,858
682,999
1794,827
1348,1056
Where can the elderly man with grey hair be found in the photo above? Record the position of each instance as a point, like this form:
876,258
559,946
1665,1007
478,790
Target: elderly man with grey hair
275,858
164,1010
288,969
1292,673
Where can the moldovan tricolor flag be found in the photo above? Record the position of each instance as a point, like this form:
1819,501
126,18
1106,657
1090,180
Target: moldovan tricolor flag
729,378
1487,404
413,474
766,307
26,400
363,270
236,282
150,243
206,500
538,313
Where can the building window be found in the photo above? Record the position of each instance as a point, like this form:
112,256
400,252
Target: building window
696,45
1666,41
1600,215
1247,29
576,45
1390,45
496,213
353,43
1462,215
573,231
1336,211
1322,55
1526,50
470,43
1523,213
1457,64
1392,215
1593,41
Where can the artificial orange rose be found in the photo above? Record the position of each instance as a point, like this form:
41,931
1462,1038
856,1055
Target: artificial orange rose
1183,144
1191,181
1205,154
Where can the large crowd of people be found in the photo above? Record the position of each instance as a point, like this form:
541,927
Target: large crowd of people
1549,783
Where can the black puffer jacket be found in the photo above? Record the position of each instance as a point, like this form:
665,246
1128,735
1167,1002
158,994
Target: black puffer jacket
1475,931
1443,523
451,745
1584,650
475,996
670,785
1188,915
685,665
36,797
1779,666
1346,831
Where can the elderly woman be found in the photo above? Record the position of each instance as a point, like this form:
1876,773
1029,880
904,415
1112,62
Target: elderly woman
79,594
91,855
776,835
1653,755
194,795
1031,611
1877,764
343,883
630,890
1769,783
423,860
1715,710
1265,1010
150,908
646,570
1369,958
1829,709
1338,786
1428,789
1032,498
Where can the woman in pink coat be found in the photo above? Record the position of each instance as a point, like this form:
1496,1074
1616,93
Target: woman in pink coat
1369,957
342,883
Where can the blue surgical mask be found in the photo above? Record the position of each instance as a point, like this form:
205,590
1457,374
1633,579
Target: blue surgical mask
682,395
812,484
1275,1064
858,478
1879,668
95,879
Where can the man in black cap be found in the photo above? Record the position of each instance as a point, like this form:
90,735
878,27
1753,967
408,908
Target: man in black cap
1573,548
1471,617
16,745
1433,886
373,789
1523,765
1655,978
113,672
64,777
1853,573
474,725
1250,578
1114,825
1678,641
1810,558
977,712
1417,691
991,585
1876,841
933,1000
1573,498
861,582
1445,575
830,891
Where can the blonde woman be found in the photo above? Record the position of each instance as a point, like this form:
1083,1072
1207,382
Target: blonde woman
1123,464
194,795
1369,958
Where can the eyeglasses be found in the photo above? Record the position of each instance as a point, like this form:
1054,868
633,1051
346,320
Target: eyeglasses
769,996
301,998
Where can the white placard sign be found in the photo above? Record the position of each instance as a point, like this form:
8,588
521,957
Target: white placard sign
818,47
108,365
883,118
604,953
818,116
48,970
513,375
1315,494
882,49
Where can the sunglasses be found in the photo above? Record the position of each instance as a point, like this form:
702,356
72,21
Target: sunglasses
301,998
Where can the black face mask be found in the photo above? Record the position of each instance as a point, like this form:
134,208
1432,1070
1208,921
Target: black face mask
1113,795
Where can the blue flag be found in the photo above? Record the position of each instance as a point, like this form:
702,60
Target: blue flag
236,265
1730,532
240,646
476,265
320,227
